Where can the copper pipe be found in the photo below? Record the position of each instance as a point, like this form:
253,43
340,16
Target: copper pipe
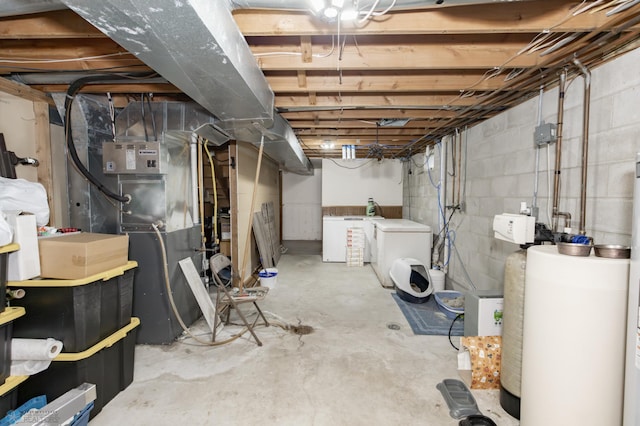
585,144
556,176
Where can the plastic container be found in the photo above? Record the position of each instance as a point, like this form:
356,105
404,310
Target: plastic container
443,299
9,394
4,259
79,313
612,251
6,333
437,279
108,365
82,418
268,277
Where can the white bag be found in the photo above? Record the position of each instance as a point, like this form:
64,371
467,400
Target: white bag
6,235
22,195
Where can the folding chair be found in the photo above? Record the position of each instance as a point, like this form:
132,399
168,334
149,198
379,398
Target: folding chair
225,301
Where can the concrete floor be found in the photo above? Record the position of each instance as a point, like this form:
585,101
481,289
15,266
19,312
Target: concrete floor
352,370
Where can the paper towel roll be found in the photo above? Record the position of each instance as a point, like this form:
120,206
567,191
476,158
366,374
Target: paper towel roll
28,368
35,349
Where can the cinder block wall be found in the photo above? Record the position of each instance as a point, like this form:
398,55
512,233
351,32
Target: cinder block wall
500,164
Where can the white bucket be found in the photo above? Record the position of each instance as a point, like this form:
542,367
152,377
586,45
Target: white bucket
437,279
268,277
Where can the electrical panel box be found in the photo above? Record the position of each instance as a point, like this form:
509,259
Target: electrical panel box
483,313
545,133
133,157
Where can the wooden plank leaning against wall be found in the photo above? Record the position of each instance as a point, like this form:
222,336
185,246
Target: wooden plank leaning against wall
42,141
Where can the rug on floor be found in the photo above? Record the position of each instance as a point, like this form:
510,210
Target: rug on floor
426,318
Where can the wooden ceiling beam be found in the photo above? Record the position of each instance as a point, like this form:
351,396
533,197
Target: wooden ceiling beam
52,25
113,88
383,132
471,53
417,100
367,114
24,92
513,17
356,124
443,81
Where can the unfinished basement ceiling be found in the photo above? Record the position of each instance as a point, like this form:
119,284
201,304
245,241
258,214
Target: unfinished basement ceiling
390,85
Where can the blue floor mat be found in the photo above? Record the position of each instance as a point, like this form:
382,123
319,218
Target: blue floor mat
426,318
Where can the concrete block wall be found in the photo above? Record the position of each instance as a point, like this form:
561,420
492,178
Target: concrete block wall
500,165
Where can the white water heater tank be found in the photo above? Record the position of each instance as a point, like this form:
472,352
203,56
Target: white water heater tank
573,339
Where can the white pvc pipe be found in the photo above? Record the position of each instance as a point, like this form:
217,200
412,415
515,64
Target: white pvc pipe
442,201
193,158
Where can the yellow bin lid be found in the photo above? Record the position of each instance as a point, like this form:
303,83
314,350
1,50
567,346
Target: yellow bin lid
105,343
11,313
102,276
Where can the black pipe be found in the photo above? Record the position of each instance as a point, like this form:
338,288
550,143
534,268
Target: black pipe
73,90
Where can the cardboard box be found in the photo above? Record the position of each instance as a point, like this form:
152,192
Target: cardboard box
81,255
479,361
23,264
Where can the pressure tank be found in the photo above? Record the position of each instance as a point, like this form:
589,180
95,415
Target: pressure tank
512,319
573,339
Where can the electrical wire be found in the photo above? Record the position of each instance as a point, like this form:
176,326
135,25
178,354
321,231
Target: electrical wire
495,71
351,168
172,302
451,328
19,60
73,90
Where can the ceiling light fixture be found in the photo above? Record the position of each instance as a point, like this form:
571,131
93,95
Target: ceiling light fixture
327,145
332,10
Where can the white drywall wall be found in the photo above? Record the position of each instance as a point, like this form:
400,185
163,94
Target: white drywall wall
17,123
353,182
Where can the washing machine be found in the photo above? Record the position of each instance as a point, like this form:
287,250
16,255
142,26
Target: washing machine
396,238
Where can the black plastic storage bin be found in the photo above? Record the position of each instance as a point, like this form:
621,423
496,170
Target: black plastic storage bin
4,260
79,313
9,394
6,333
108,365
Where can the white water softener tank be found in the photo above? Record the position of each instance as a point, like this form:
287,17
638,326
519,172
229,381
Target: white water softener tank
573,339
512,319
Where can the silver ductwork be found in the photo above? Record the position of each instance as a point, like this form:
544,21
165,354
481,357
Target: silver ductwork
21,7
197,46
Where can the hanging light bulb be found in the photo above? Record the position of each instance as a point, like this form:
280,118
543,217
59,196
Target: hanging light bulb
331,12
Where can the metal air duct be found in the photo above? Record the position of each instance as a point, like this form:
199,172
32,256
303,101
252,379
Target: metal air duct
21,7
196,45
